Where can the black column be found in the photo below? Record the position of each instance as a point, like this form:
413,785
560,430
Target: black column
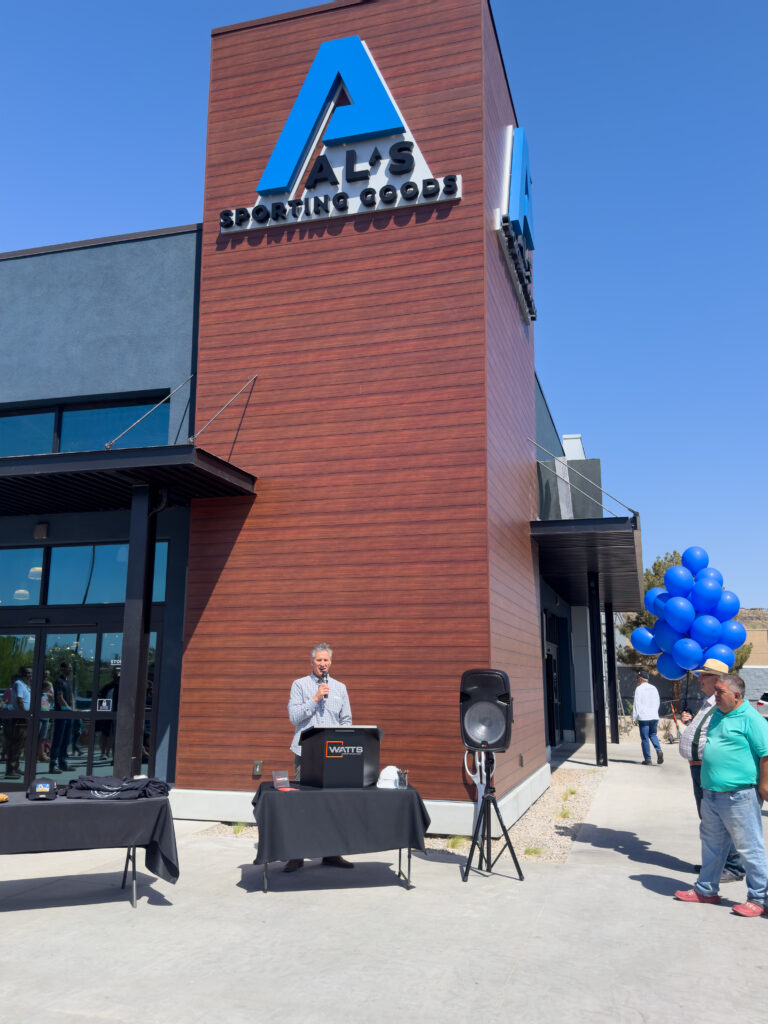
138,604
596,653
610,657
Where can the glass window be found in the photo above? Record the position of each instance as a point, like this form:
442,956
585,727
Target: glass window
161,567
16,652
96,574
26,434
88,430
21,570
88,574
79,651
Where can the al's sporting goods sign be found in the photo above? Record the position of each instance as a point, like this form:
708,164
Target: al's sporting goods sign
347,132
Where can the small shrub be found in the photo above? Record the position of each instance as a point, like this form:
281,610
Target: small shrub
238,827
533,851
455,841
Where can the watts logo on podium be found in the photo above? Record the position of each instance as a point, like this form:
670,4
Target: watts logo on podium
368,160
335,749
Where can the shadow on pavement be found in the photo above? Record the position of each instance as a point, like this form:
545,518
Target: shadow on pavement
441,857
631,760
630,845
77,891
660,885
318,877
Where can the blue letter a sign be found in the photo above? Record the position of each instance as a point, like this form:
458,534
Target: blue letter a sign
340,64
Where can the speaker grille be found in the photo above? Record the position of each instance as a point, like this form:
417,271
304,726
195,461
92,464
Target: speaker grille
485,723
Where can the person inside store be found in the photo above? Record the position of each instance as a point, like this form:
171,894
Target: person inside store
108,697
21,692
46,704
317,699
62,727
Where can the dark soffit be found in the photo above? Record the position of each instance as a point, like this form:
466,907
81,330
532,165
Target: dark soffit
101,481
570,549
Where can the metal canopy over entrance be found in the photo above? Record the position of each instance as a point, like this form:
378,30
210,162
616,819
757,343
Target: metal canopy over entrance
570,549
101,481
590,562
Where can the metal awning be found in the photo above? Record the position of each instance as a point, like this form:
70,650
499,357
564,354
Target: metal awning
103,480
569,549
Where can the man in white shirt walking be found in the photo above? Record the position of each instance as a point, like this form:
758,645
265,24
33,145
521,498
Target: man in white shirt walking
645,711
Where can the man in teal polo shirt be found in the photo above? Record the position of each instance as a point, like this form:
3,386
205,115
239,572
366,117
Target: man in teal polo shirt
734,772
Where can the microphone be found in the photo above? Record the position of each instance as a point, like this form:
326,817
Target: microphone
325,680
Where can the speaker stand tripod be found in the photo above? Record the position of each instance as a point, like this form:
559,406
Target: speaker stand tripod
481,838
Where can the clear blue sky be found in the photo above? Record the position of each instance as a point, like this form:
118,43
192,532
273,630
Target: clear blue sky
647,131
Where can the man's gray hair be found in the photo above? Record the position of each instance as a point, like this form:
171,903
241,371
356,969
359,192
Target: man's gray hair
322,647
736,684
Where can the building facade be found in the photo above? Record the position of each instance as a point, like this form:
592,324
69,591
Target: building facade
350,455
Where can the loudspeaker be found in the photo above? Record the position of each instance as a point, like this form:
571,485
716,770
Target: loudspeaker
485,706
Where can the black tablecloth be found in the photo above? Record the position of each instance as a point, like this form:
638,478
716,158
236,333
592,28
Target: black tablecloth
49,826
311,822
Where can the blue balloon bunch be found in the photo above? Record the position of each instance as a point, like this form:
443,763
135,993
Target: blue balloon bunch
695,618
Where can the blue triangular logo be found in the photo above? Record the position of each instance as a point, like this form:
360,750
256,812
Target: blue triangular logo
340,64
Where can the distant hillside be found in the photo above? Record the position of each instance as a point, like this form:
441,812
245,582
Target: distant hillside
753,618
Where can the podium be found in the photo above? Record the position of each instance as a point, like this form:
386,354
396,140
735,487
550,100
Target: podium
340,756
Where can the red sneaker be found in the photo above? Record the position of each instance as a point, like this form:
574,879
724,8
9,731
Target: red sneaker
691,896
748,909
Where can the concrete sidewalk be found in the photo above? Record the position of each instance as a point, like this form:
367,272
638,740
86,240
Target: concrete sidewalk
598,939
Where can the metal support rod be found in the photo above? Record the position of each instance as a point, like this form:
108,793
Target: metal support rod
610,657
130,858
194,437
162,401
596,657
573,487
571,469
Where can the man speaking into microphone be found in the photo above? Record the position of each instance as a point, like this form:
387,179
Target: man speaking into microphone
317,699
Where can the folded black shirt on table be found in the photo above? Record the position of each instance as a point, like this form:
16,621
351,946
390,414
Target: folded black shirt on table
108,787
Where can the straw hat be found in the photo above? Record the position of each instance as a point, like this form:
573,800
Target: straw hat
712,667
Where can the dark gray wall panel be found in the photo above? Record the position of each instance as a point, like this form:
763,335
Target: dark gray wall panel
104,319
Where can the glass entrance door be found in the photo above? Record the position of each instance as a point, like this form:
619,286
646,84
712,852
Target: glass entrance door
17,659
59,695
66,704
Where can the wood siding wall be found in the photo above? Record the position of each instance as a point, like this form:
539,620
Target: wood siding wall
366,427
512,486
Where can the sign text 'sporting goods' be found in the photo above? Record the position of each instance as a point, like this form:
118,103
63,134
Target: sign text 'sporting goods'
368,160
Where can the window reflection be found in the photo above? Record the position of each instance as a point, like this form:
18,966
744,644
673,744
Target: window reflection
161,568
88,574
20,574
78,650
96,574
26,434
84,430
